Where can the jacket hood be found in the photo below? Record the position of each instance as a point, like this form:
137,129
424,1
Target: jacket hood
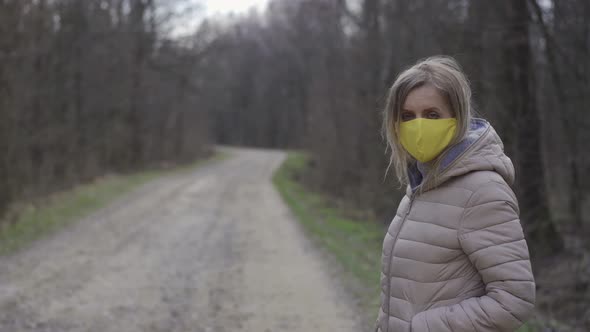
481,150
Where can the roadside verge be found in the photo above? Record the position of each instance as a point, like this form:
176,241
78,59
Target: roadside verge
33,220
355,244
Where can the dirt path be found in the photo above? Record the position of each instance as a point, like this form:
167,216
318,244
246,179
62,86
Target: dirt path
213,250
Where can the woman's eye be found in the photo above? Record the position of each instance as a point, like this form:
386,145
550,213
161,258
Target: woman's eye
407,117
433,115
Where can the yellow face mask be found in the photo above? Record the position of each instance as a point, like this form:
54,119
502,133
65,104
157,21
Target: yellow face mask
425,139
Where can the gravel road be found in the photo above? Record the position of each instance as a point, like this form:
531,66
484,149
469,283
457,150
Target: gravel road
215,249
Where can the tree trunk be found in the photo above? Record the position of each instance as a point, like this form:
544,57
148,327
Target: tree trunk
530,179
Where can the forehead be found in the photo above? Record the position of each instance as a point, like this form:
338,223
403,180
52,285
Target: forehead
425,96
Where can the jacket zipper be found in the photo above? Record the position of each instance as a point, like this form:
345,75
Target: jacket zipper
412,196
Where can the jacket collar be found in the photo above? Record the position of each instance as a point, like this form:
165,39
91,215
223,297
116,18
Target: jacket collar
481,149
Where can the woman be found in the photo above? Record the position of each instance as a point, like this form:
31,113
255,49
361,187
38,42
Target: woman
454,257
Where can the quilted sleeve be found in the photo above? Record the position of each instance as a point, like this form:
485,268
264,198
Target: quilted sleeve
491,236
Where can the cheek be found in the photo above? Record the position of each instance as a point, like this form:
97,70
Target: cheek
448,113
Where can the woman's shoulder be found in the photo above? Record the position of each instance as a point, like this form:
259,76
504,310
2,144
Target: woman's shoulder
473,181
485,185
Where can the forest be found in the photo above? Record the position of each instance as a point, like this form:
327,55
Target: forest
314,74
94,87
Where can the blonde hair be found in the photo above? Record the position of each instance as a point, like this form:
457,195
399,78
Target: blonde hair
444,73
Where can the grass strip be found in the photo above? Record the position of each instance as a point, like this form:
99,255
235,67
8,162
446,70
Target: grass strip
34,220
355,244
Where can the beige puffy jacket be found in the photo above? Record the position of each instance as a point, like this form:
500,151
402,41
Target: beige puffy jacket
454,257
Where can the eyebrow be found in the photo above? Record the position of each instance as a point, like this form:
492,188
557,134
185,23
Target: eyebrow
426,109
432,109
